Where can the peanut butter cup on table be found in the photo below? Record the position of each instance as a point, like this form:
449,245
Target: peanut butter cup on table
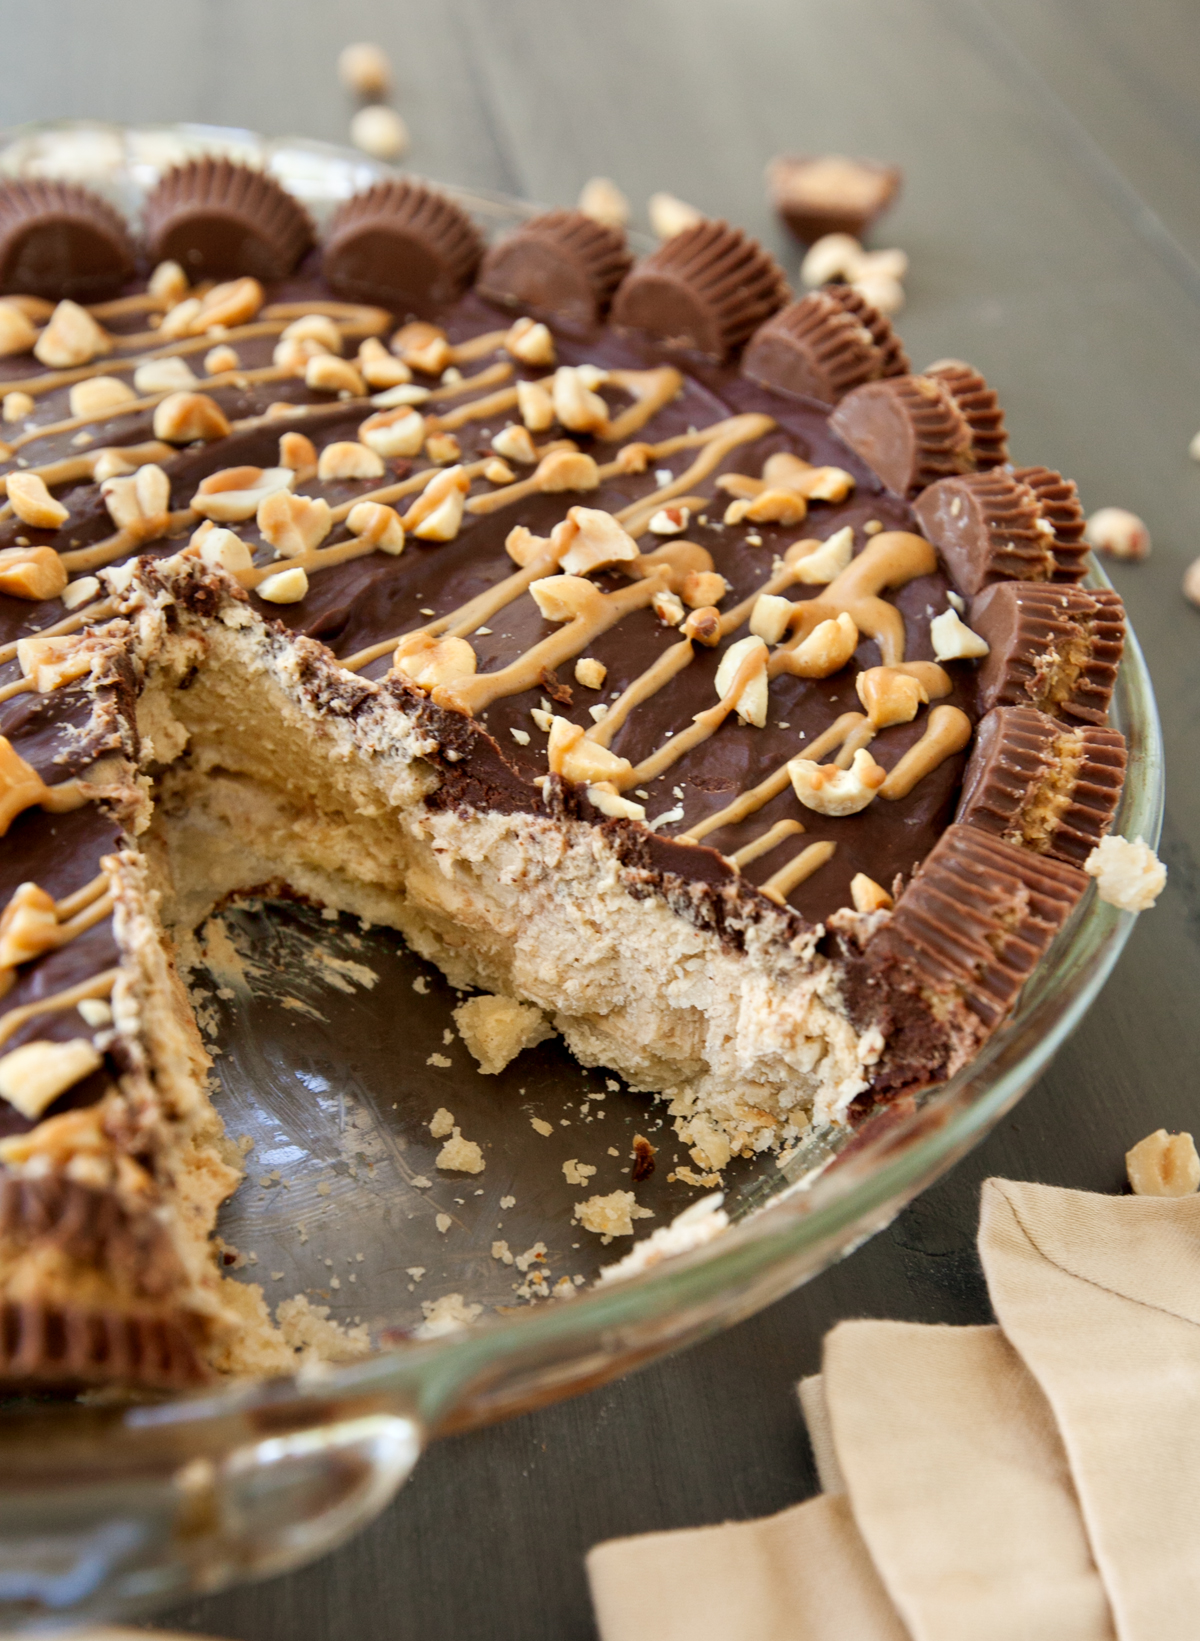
412,586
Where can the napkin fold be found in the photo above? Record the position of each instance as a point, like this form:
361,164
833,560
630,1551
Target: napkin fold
1040,1478
960,1485
803,1575
1101,1296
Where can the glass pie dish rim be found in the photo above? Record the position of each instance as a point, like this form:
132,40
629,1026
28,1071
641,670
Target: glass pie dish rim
506,1364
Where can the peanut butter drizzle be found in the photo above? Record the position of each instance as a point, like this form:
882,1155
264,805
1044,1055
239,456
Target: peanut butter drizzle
100,985
22,686
791,876
753,800
716,441
777,582
394,492
124,541
91,612
238,333
719,440
764,843
651,390
947,732
293,413
491,404
143,302
603,610
84,920
674,660
21,787
669,663
87,896
460,623
347,313
499,372
133,407
701,727
73,468
855,741
478,347
935,681
889,560
175,348
321,558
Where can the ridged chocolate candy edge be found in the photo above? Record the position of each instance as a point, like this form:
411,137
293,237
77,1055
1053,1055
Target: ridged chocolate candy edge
1056,648
1019,759
707,288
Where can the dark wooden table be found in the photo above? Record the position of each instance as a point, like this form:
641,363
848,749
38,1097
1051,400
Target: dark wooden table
1052,149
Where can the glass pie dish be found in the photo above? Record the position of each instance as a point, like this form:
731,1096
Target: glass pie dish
109,1509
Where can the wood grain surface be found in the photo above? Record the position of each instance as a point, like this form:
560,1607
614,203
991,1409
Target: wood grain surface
1051,215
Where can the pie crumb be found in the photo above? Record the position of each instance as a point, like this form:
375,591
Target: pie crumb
461,1156
496,1029
612,1215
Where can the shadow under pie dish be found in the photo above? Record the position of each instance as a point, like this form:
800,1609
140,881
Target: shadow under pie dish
453,712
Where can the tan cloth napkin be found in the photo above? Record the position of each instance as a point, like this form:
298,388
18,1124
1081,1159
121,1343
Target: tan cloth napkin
820,1434
803,1575
959,1484
1101,1296
1028,1482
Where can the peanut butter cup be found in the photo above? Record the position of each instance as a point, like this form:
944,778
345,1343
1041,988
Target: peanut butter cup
971,928
218,220
707,288
1058,500
829,194
1043,785
987,527
91,1225
894,361
1053,648
562,264
401,244
908,429
74,1346
827,343
980,407
994,526
60,240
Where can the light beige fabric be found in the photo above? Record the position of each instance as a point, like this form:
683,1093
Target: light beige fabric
820,1433
802,1575
1101,1296
960,1485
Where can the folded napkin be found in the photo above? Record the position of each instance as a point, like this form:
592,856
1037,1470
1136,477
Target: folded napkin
1101,1296
1038,1479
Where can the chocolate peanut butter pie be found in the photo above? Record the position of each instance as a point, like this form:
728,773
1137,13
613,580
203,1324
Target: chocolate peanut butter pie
658,654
